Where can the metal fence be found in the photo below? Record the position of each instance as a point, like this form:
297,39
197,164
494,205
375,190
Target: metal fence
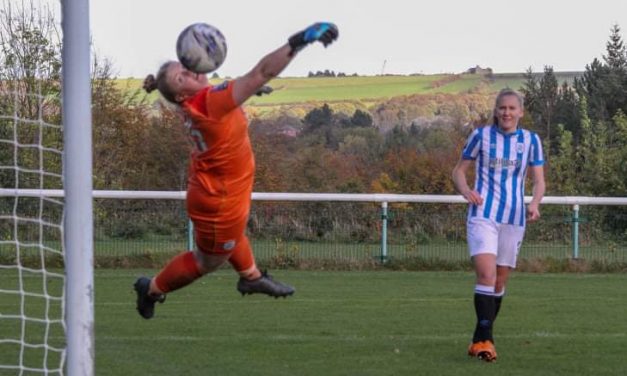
345,228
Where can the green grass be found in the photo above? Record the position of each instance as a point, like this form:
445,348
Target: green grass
296,90
358,323
336,255
511,83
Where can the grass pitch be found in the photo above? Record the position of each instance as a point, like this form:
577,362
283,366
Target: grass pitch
337,323
362,323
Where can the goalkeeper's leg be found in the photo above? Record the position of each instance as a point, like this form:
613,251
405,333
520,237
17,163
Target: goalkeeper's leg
179,272
251,280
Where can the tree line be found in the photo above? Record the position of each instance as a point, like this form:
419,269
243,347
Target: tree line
584,124
407,144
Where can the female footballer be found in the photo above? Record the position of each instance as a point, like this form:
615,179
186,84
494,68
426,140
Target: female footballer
503,154
221,171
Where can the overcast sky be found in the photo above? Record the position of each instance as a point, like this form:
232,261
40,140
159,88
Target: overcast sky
410,36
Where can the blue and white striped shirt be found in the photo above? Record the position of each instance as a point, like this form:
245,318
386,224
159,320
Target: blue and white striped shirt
501,168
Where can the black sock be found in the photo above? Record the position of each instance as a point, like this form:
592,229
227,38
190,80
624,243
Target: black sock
485,308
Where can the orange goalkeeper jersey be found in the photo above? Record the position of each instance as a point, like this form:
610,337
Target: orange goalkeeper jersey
222,163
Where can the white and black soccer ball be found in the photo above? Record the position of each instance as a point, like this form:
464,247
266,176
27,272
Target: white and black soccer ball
201,48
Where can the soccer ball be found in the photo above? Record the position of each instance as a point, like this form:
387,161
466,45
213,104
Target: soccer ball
201,48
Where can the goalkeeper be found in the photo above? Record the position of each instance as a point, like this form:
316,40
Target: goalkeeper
221,171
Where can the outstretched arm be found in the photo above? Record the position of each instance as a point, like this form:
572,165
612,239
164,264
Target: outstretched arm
267,68
273,64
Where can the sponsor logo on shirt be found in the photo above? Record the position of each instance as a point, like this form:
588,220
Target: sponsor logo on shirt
504,163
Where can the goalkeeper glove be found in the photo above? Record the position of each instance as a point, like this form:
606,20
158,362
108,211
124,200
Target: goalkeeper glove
264,90
325,32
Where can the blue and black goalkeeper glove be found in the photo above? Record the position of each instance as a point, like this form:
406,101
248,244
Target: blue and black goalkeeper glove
265,89
325,32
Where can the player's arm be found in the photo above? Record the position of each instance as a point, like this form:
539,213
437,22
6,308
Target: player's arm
268,68
273,64
539,186
461,184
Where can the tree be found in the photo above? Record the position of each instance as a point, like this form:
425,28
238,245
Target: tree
591,85
567,111
272,155
30,67
541,98
620,119
132,136
588,153
319,117
361,119
562,169
605,84
616,57
547,101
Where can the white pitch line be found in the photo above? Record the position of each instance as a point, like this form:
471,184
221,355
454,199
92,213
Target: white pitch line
351,338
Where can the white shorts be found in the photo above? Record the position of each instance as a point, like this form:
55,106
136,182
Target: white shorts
487,236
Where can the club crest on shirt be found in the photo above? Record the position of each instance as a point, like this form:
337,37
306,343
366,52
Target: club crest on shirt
220,87
229,245
520,147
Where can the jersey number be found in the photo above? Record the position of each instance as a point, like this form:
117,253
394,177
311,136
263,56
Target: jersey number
198,140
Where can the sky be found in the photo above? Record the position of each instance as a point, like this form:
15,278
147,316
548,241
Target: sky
376,36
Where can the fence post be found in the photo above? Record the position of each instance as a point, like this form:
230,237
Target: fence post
190,235
575,221
384,231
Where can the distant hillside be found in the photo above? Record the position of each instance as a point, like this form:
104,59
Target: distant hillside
365,90
516,80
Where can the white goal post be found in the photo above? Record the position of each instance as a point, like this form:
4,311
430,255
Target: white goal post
78,221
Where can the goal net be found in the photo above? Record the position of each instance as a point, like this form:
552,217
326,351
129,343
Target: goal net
31,263
40,306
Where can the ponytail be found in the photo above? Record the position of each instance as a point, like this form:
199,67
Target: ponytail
160,83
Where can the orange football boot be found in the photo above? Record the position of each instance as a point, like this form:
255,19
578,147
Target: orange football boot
483,350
